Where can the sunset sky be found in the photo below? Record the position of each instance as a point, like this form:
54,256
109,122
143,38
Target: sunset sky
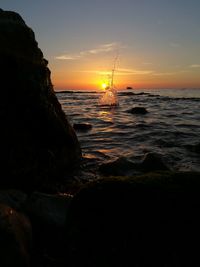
157,41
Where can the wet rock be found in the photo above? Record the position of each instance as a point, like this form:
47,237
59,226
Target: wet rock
138,110
48,209
121,166
13,198
82,126
48,215
15,238
37,140
194,148
126,93
149,220
153,162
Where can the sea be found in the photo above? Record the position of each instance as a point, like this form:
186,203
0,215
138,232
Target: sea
171,128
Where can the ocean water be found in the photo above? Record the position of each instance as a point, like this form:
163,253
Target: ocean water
171,127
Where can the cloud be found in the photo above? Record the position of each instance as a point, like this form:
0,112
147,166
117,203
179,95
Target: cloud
195,66
174,45
147,63
170,73
104,48
127,71
164,73
122,72
133,72
68,57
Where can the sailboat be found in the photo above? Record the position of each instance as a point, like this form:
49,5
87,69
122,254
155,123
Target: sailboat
109,97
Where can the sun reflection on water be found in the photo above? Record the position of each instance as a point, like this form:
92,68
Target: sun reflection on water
106,116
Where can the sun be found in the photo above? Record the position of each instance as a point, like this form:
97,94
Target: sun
104,86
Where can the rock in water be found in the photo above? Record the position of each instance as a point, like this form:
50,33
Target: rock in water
36,139
153,162
138,110
82,126
121,166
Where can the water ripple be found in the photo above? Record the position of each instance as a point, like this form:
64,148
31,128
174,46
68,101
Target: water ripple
170,127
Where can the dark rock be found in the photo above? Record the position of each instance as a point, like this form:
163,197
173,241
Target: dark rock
37,140
48,214
15,238
137,110
48,209
149,220
13,198
195,148
126,93
153,162
121,166
82,126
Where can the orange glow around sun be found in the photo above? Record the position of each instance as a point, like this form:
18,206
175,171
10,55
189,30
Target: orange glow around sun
104,86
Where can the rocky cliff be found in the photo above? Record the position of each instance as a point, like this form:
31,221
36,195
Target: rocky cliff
36,139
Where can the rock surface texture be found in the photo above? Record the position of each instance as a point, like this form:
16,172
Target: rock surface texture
149,220
15,238
36,138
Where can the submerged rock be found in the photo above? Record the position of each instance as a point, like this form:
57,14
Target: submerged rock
197,148
121,166
124,166
36,139
137,110
153,162
194,148
82,126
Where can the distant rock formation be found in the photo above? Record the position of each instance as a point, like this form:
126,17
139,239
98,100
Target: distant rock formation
36,140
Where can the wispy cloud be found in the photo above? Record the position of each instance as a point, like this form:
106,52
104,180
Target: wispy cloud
147,63
164,73
195,66
170,73
68,57
176,45
104,48
122,71
127,71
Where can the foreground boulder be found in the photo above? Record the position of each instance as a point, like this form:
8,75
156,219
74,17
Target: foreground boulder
36,139
149,220
13,198
48,209
15,238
